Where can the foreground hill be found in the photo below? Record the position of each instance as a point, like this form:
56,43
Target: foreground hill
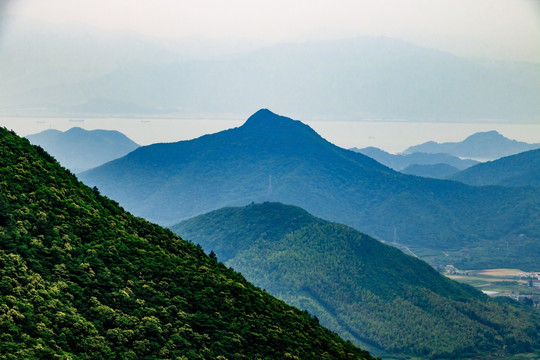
78,149
517,170
484,145
81,278
366,291
275,158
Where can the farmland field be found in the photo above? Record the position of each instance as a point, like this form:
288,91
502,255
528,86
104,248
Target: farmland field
503,281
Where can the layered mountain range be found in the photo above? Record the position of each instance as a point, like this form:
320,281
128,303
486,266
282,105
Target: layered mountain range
432,165
275,158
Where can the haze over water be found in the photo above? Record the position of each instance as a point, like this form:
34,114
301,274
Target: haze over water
391,136
490,29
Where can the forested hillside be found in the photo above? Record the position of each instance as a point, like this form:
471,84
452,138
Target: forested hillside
366,291
81,278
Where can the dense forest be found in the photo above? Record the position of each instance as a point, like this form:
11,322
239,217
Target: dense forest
368,292
80,278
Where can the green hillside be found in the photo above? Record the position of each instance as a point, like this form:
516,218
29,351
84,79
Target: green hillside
274,158
80,278
366,291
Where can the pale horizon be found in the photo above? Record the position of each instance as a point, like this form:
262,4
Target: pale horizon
389,136
495,29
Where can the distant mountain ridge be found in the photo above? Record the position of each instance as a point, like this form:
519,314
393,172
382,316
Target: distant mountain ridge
485,145
79,149
364,77
522,169
76,54
364,290
401,161
274,158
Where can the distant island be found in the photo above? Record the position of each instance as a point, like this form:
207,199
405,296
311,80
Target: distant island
485,145
80,150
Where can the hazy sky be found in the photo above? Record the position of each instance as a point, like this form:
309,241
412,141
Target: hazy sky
508,29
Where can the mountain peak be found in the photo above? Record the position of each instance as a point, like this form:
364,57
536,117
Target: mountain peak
266,123
492,134
76,130
265,118
262,113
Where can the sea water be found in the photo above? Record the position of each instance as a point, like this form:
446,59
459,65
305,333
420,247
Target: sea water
392,136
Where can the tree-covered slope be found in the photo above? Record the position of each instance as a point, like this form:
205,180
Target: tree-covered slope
517,170
366,291
275,158
81,278
78,149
